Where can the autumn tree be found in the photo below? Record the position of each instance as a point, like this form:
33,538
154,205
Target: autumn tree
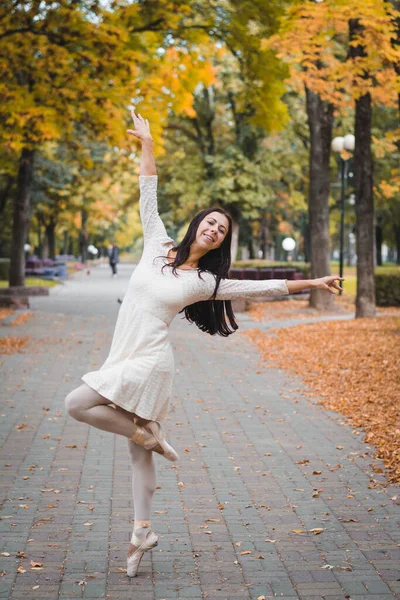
68,63
61,63
342,66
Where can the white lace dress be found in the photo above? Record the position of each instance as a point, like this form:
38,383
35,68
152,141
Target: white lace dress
138,372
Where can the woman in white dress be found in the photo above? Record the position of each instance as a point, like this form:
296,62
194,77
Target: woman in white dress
129,395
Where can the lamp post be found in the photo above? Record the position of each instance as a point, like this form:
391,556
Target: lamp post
338,145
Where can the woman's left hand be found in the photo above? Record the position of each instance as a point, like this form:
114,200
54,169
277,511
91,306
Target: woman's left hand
327,283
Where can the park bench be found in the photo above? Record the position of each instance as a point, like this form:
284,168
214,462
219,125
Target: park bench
264,273
44,268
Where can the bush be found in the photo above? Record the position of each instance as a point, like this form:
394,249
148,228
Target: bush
4,268
304,268
387,287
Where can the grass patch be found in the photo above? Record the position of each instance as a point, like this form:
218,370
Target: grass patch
32,282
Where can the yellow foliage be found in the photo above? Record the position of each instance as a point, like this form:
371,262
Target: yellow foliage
314,41
389,189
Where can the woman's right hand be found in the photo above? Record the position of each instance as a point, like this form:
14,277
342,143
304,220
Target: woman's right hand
327,283
142,128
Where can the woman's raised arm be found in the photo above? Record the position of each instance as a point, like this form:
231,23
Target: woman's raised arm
142,132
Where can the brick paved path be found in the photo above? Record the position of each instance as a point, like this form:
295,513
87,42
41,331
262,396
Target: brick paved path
226,513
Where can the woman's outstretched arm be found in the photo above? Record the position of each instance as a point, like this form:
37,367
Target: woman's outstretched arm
142,132
230,289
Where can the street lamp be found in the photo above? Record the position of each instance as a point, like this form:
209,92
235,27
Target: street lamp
338,145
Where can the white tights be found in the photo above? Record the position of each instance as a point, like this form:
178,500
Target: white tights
88,406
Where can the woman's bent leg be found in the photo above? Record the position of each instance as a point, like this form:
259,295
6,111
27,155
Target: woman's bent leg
88,406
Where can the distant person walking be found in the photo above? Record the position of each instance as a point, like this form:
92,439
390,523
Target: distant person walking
113,259
129,395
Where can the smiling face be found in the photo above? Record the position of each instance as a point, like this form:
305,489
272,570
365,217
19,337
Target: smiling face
212,230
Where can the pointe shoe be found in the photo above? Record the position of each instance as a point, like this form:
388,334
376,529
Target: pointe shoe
133,561
150,437
168,452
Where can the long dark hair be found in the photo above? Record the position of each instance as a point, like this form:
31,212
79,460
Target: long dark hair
209,315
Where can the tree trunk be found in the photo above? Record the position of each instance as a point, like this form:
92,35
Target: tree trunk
264,237
365,300
65,242
306,243
379,240
396,230
250,247
51,240
39,249
45,251
320,121
21,217
83,236
235,239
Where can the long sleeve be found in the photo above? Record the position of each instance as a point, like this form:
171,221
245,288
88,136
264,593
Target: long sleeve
229,289
153,227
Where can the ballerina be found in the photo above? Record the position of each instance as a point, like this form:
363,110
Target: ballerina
130,394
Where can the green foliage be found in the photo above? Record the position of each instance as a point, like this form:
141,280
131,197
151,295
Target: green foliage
387,288
4,268
33,282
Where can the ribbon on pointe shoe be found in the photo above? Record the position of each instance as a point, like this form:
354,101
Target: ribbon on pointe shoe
135,540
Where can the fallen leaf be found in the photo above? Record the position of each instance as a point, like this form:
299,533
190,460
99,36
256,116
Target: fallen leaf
346,382
213,520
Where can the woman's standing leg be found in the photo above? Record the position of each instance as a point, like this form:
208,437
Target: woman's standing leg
144,479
